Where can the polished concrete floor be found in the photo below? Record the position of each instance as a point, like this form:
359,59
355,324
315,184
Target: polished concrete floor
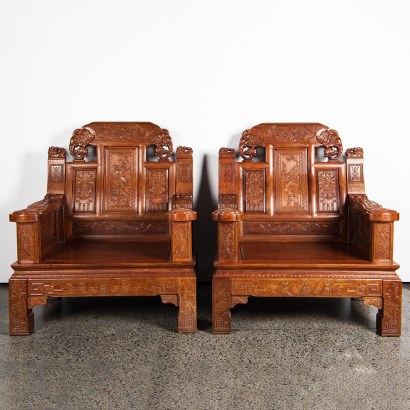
125,353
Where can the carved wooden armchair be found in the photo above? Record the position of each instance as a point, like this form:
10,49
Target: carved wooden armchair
119,226
294,227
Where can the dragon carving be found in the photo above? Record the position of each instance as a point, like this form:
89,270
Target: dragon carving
163,142
78,143
331,140
247,146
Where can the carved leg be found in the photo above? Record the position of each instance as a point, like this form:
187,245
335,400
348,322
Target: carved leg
21,318
221,315
388,320
187,305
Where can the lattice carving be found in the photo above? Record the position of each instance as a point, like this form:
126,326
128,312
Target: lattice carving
291,181
356,152
84,190
382,243
328,191
331,140
56,152
247,146
296,228
120,227
157,190
78,143
226,153
163,142
255,190
227,240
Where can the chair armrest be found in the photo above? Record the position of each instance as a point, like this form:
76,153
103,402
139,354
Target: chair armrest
35,211
181,233
372,210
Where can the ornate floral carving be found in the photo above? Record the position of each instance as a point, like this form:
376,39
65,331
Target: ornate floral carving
163,142
247,146
291,228
184,173
181,240
328,187
120,227
356,152
290,133
157,195
184,152
56,152
331,140
291,181
84,190
226,153
255,190
79,141
382,241
183,201
120,132
221,316
227,201
236,300
27,244
227,240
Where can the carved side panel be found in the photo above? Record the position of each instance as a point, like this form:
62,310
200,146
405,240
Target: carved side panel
120,227
157,190
48,228
120,180
227,201
296,228
355,173
382,240
254,190
226,240
180,240
291,181
21,318
226,172
27,240
184,173
84,191
328,187
221,315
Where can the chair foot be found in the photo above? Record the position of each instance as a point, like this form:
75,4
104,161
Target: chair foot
388,321
221,314
21,318
187,305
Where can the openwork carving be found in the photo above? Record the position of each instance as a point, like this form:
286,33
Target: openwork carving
331,140
290,133
227,239
27,244
383,239
236,300
227,201
291,181
328,191
78,143
226,153
181,240
184,152
367,204
356,152
120,227
157,192
163,142
247,146
183,201
120,179
255,191
84,190
56,152
291,228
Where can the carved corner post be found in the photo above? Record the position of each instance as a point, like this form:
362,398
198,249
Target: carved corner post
228,241
56,171
355,172
388,322
187,305
221,298
184,181
21,318
181,233
227,178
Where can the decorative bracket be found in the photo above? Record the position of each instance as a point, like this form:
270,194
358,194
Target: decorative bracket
236,300
331,140
247,146
163,142
374,301
78,143
170,299
37,300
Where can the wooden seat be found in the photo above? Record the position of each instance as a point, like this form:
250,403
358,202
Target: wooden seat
290,225
117,226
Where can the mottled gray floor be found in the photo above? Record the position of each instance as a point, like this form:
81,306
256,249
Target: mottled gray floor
284,353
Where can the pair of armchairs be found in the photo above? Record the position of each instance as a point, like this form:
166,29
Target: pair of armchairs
288,226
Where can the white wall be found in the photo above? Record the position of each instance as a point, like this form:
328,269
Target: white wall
206,71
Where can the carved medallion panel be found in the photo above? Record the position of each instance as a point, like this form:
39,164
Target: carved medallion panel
355,173
120,179
120,227
294,228
27,242
254,190
328,195
157,190
184,173
84,191
291,181
181,240
56,173
227,172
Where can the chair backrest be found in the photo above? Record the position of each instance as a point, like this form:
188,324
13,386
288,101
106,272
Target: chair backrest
121,194
288,196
